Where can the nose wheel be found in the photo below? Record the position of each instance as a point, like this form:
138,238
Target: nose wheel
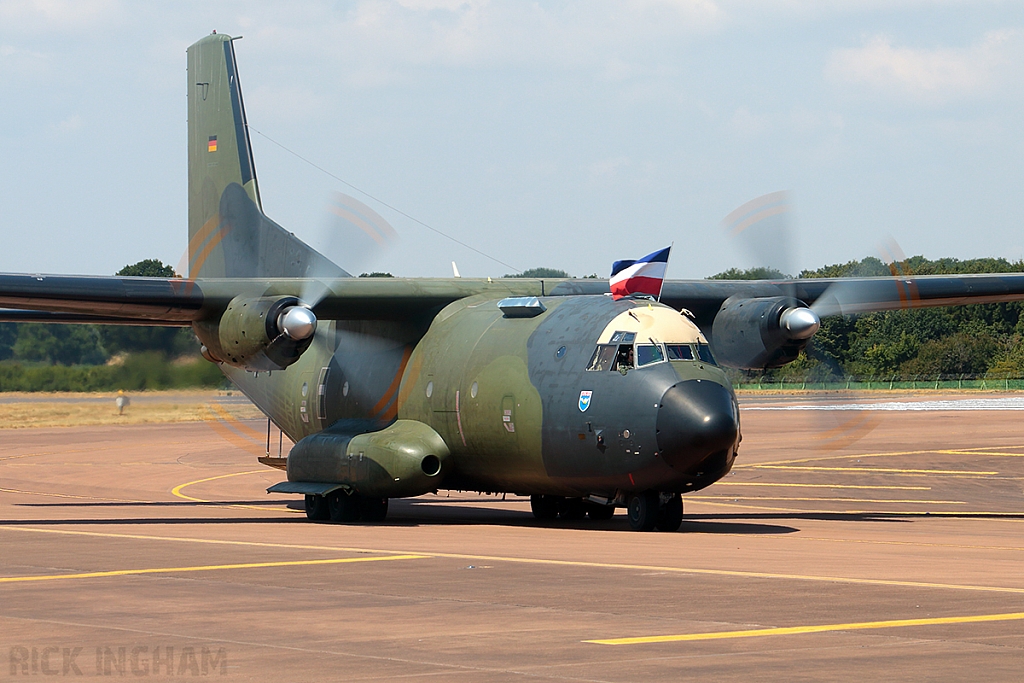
650,510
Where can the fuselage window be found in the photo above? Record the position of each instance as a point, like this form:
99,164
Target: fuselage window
623,338
647,354
704,353
679,351
624,358
603,357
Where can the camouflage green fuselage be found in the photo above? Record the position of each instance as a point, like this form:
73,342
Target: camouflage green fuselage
506,395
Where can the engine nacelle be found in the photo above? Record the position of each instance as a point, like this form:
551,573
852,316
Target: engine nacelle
258,333
407,458
764,332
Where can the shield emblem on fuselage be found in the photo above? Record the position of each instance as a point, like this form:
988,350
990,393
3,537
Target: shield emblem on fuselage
585,400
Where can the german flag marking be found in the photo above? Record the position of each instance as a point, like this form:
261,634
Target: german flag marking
211,146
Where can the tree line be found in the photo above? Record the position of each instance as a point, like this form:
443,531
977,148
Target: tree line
980,339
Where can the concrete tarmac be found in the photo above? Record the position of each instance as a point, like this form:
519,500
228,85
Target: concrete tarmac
846,545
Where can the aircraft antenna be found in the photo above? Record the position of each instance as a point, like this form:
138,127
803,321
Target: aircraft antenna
382,202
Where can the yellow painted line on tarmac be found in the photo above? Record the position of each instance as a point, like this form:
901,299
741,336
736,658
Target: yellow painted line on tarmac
204,568
726,497
847,456
177,490
818,628
997,453
822,486
556,563
68,495
867,470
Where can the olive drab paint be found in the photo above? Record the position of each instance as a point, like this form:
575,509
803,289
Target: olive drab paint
485,389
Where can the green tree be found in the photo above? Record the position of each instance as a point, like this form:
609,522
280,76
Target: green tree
59,344
757,273
171,341
376,273
149,267
542,273
8,335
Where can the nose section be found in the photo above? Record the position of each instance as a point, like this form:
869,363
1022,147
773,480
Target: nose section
695,419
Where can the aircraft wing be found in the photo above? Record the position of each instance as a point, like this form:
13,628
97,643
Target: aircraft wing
845,295
178,302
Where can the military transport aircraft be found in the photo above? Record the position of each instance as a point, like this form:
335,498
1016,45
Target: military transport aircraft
400,387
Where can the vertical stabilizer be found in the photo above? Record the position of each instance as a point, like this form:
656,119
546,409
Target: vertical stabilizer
228,234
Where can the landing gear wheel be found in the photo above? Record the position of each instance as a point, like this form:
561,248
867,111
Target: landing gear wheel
342,506
573,508
373,509
642,510
600,513
545,507
316,508
670,514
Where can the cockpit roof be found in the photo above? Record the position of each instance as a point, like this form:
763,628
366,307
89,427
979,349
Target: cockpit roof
653,321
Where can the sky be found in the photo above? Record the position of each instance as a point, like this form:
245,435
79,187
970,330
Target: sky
559,134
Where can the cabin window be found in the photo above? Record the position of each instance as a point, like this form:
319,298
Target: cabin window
603,357
704,353
646,354
679,351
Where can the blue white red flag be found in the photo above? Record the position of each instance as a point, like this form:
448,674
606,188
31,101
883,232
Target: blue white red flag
643,276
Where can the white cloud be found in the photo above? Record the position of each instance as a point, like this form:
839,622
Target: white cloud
929,75
488,33
18,63
745,122
70,124
80,15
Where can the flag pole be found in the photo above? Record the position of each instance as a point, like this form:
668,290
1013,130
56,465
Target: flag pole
666,271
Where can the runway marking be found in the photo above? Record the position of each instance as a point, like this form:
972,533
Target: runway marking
822,486
993,453
837,500
818,628
971,404
883,454
204,568
558,563
68,495
177,492
177,489
868,470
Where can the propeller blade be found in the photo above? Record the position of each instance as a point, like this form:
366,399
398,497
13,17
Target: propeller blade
353,236
762,228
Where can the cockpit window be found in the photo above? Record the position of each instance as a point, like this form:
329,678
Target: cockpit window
704,353
603,356
624,358
679,351
647,354
623,337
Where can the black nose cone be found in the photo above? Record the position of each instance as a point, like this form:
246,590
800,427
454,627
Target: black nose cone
695,419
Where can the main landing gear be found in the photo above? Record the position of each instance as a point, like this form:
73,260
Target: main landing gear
650,510
559,507
339,506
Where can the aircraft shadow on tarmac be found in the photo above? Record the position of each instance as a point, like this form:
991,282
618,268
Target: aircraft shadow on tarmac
411,513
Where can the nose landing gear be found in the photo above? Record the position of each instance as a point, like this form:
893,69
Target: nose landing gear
649,510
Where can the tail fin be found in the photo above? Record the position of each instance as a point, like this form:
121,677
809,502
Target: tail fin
228,234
